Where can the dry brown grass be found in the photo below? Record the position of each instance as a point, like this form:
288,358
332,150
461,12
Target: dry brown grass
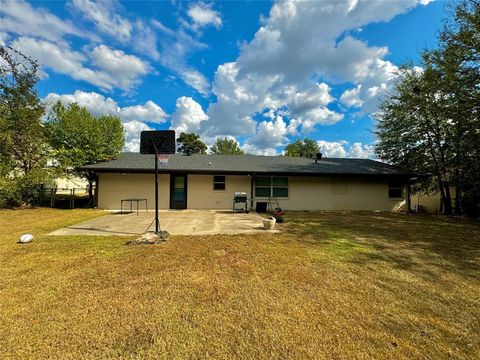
333,285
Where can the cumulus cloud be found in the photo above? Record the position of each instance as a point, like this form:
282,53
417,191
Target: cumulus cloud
359,150
98,104
195,79
109,68
188,115
351,97
297,44
95,103
132,134
202,15
333,149
148,112
122,68
343,149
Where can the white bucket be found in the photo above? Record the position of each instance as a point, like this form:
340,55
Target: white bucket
269,223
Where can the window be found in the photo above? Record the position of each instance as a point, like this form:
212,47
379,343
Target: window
263,185
280,186
395,190
271,186
218,182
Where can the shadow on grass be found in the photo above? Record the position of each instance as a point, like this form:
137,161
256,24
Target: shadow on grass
407,241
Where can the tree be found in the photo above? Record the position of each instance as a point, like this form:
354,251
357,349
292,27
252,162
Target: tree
431,122
226,146
190,143
78,138
23,144
412,129
302,148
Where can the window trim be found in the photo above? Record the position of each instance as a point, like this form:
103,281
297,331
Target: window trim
224,182
271,187
395,187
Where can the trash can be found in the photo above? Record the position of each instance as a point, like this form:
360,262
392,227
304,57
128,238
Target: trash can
261,207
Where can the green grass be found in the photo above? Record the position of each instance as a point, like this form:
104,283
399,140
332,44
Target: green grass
331,285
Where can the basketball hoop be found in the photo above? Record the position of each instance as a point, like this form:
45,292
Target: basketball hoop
162,159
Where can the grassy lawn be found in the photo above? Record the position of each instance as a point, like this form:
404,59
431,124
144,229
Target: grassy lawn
332,285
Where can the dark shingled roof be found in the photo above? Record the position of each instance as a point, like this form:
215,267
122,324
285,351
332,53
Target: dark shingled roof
247,164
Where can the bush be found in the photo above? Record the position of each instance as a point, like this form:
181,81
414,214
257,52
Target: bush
21,191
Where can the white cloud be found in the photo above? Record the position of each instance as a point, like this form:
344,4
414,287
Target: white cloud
112,68
132,135
125,70
103,15
149,112
298,43
21,18
144,40
98,104
253,150
342,149
351,97
62,60
203,15
196,80
175,47
359,150
333,149
270,134
188,115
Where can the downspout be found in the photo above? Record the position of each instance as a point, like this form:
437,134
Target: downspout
252,182
96,195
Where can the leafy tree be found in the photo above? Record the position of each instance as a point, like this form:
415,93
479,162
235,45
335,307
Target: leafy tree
23,146
226,146
78,138
190,143
302,148
431,122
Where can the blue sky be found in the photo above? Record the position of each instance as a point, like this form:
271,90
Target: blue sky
265,73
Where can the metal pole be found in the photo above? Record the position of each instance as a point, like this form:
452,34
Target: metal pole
156,192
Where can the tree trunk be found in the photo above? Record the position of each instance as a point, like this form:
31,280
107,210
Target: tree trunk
442,196
458,200
447,206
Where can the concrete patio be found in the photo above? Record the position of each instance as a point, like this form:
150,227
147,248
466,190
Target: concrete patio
182,222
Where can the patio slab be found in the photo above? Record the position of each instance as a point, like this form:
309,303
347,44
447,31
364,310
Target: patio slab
181,222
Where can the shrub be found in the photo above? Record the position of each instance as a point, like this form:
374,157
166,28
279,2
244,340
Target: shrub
24,190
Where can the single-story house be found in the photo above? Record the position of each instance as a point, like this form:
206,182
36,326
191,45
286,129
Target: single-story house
210,181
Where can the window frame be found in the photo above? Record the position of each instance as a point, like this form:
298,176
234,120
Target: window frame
395,186
216,182
272,187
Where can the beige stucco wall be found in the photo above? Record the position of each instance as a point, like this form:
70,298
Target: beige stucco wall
323,193
430,202
200,193
305,193
114,187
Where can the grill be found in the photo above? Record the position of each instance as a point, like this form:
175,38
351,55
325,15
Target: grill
240,198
